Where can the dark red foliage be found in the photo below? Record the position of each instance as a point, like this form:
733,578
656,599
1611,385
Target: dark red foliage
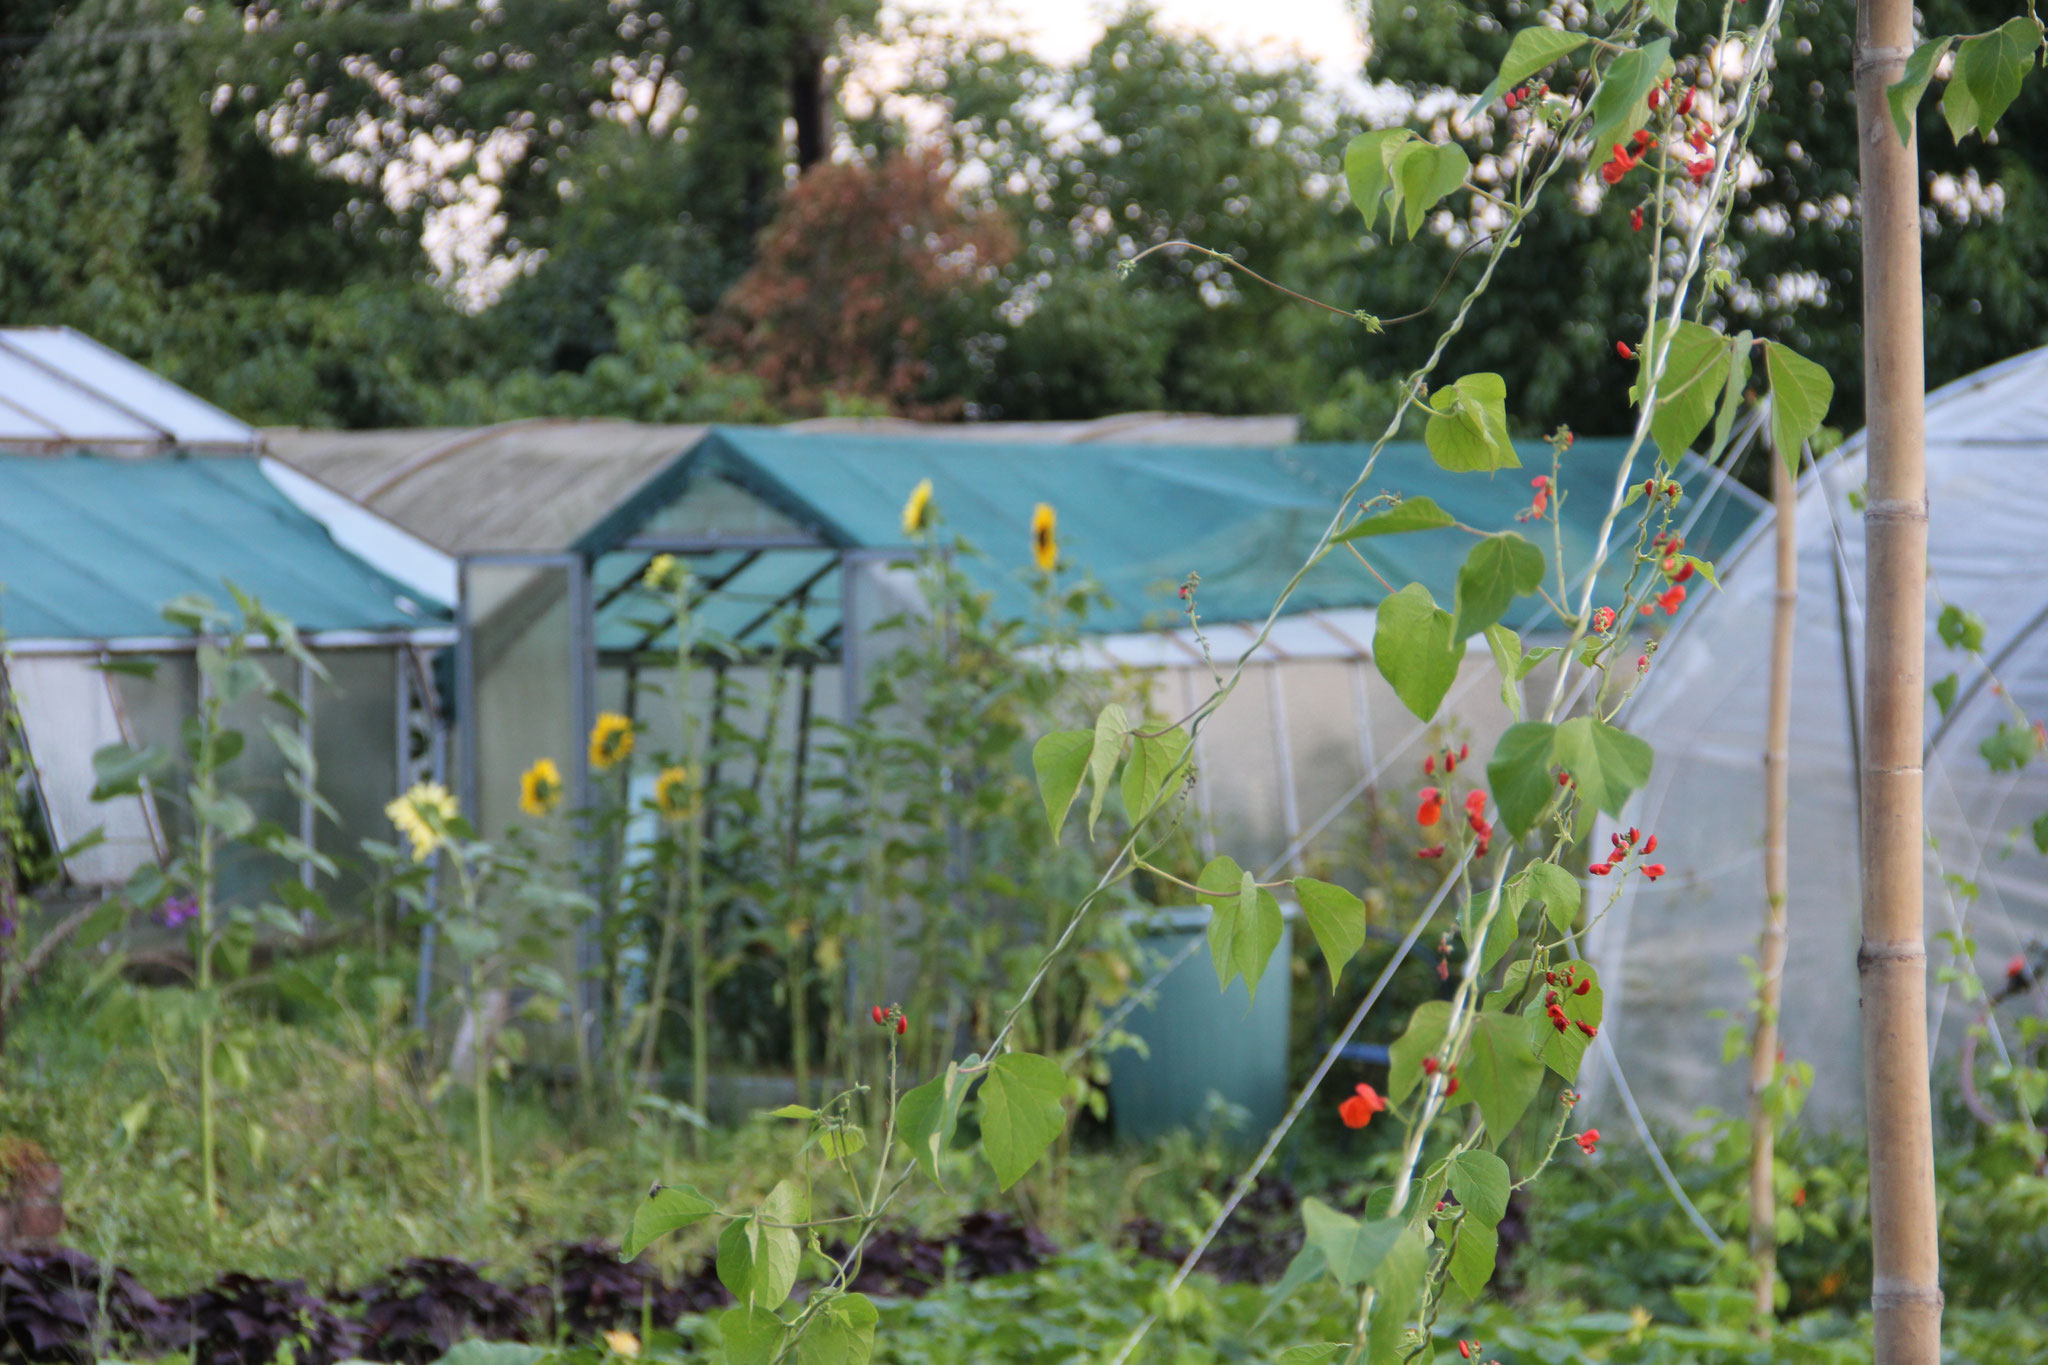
594,1291
422,1307
1253,1248
50,1301
984,1245
858,262
245,1320
50,1308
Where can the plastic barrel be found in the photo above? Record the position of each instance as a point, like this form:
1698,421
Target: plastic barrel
1201,1040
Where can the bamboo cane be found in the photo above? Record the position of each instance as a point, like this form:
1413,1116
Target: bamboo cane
1770,950
1892,961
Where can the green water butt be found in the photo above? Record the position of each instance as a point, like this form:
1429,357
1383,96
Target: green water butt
1211,1056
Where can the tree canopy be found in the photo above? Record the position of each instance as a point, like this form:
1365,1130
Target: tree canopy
383,213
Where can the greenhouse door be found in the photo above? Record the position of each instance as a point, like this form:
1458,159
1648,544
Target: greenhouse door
525,674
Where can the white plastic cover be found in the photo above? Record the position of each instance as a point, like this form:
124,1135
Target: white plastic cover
61,387
1672,952
69,711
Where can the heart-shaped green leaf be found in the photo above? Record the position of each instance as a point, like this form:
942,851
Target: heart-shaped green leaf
1021,1112
1417,649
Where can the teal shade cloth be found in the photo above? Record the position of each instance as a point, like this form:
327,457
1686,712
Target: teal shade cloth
1140,518
91,548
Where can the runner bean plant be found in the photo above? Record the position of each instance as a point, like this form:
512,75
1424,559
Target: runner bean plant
1652,123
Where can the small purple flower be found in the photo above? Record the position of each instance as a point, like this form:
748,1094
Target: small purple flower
176,911
6,926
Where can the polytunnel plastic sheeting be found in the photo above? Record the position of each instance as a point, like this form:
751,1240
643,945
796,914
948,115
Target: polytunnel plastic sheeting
1672,952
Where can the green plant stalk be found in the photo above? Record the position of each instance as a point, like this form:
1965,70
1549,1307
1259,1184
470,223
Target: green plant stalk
480,1068
208,1176
650,1026
608,909
799,1006
480,1074
10,821
871,895
700,981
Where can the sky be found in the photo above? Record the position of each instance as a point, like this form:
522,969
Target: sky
1326,32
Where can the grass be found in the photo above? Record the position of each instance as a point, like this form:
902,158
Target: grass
337,1164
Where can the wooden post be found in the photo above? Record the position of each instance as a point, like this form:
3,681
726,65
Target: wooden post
1770,949
1892,961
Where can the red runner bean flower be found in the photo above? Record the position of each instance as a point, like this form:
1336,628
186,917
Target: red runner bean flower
1358,1110
1621,164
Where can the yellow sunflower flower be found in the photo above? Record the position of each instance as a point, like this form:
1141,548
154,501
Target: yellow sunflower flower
675,793
423,815
540,788
611,741
917,513
623,1344
661,573
1045,546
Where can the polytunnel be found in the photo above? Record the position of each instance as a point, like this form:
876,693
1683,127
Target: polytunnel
1673,953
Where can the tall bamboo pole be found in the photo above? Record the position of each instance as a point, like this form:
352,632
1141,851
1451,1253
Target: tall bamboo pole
1892,961
1770,949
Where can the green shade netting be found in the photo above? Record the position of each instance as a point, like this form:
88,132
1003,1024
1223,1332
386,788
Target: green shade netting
91,549
1139,519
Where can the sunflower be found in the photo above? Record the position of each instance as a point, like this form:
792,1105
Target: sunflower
423,815
611,741
675,794
540,788
917,513
661,573
1045,546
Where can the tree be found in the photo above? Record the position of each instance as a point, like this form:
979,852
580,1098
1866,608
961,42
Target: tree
1793,247
1181,140
853,275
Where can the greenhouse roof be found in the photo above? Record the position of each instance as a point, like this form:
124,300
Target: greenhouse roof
1140,518
530,485
61,389
91,548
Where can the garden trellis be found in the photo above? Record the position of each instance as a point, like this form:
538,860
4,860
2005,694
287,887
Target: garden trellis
1672,952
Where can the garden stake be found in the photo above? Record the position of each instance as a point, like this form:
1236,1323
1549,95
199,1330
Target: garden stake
1892,961
1770,952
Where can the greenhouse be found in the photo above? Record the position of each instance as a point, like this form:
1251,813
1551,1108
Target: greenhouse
1673,952
91,550
777,522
